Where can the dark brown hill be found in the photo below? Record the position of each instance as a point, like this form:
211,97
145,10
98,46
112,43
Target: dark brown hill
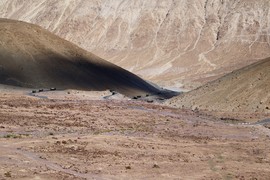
33,57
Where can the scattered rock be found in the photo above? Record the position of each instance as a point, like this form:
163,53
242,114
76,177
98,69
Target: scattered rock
128,167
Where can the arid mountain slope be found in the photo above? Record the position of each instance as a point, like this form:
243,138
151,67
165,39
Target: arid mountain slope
244,90
167,41
33,57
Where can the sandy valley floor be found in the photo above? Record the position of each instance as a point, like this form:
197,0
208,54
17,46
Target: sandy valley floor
67,137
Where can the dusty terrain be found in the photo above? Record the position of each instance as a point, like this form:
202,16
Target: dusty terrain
244,90
33,57
67,137
221,131
168,41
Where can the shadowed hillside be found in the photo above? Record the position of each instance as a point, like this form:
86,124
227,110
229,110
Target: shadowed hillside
171,42
33,57
244,90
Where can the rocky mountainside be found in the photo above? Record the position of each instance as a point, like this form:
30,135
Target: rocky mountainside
244,90
172,42
35,58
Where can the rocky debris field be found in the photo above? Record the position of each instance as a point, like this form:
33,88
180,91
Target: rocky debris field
73,138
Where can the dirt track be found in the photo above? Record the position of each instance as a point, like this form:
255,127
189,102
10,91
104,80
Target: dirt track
65,138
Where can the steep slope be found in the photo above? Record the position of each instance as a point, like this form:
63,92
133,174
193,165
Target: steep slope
33,57
168,41
244,90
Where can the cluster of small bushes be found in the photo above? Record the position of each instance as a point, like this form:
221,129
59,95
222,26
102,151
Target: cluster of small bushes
41,90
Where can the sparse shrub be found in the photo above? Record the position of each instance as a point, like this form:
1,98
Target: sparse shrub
12,136
7,174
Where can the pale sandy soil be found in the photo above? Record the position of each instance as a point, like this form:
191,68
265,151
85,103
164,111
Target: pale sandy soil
66,137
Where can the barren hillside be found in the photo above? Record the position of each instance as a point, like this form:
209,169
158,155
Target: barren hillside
168,41
33,57
244,90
